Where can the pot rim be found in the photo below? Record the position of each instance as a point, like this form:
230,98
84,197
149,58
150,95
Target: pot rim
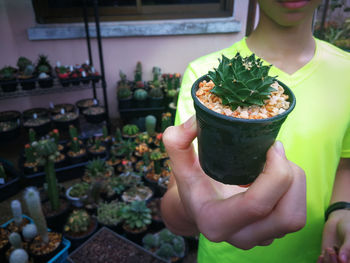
199,104
69,197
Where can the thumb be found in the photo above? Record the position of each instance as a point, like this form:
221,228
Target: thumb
344,230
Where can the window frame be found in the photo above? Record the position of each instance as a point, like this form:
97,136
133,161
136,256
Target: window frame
46,15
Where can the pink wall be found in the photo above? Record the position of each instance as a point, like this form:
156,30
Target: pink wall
170,53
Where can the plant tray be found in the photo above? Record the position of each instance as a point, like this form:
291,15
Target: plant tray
61,256
105,246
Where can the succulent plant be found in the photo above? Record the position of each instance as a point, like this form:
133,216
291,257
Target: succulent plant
8,73
124,92
22,63
43,64
75,145
136,215
55,135
118,136
16,209
140,94
32,135
15,240
177,81
138,72
73,131
165,251
241,81
130,129
150,241
97,168
29,153
156,73
28,71
156,157
166,121
104,132
78,222
151,122
124,149
43,69
79,189
3,173
47,153
109,213
32,198
18,256
29,231
156,92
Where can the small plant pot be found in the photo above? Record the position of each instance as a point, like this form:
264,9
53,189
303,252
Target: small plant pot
95,114
9,131
28,83
81,158
65,82
14,116
156,102
58,107
63,124
75,81
8,85
124,104
79,238
233,150
46,257
140,103
45,83
55,219
12,185
135,235
75,201
40,112
40,128
85,103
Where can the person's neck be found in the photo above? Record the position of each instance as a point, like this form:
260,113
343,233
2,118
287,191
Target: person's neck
287,48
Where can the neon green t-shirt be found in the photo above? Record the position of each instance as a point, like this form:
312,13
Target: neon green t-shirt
315,136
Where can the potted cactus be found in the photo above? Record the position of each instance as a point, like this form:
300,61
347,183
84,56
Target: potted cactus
55,209
76,153
79,227
55,135
156,97
166,245
86,103
95,114
97,169
64,119
239,110
78,193
138,83
19,255
43,70
130,131
9,130
27,78
63,74
97,148
136,219
19,221
124,93
46,244
57,108
8,81
140,98
109,215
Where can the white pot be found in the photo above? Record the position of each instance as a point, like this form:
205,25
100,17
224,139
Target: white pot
76,201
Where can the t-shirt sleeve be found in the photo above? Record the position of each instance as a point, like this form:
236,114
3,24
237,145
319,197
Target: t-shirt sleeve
346,145
185,107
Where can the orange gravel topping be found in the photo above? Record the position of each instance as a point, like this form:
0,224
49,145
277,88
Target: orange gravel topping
276,104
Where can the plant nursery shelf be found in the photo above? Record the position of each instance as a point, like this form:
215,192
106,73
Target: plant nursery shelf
56,88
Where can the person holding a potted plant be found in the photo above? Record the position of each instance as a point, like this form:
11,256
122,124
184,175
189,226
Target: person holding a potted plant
255,222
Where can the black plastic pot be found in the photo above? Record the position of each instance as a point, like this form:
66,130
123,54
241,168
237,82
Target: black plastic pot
63,125
8,85
95,118
233,150
66,106
45,82
11,134
125,103
28,84
78,159
55,222
82,107
12,186
10,116
3,251
65,82
156,102
134,236
46,257
40,112
77,241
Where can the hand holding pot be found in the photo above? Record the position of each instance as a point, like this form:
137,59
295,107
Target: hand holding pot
274,205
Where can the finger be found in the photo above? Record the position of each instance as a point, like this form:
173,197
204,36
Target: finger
178,143
320,259
259,200
332,256
266,242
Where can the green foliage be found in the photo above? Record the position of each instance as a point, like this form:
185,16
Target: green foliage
109,213
151,123
140,94
124,149
22,63
166,121
241,81
156,155
79,189
123,78
29,154
117,185
142,138
73,132
28,71
124,92
136,215
8,73
43,64
97,168
78,222
75,145
130,129
156,73
138,72
156,92
166,236
118,135
43,69
32,135
150,241
105,131
165,251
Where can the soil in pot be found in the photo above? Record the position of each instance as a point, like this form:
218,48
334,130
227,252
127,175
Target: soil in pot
41,125
13,116
63,120
58,108
9,130
77,157
240,143
119,250
137,193
12,227
42,252
95,114
45,82
39,112
86,103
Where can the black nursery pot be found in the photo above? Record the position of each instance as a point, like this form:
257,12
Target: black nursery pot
45,82
233,150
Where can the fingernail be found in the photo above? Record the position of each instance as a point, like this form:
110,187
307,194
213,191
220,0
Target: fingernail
279,148
343,258
190,122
